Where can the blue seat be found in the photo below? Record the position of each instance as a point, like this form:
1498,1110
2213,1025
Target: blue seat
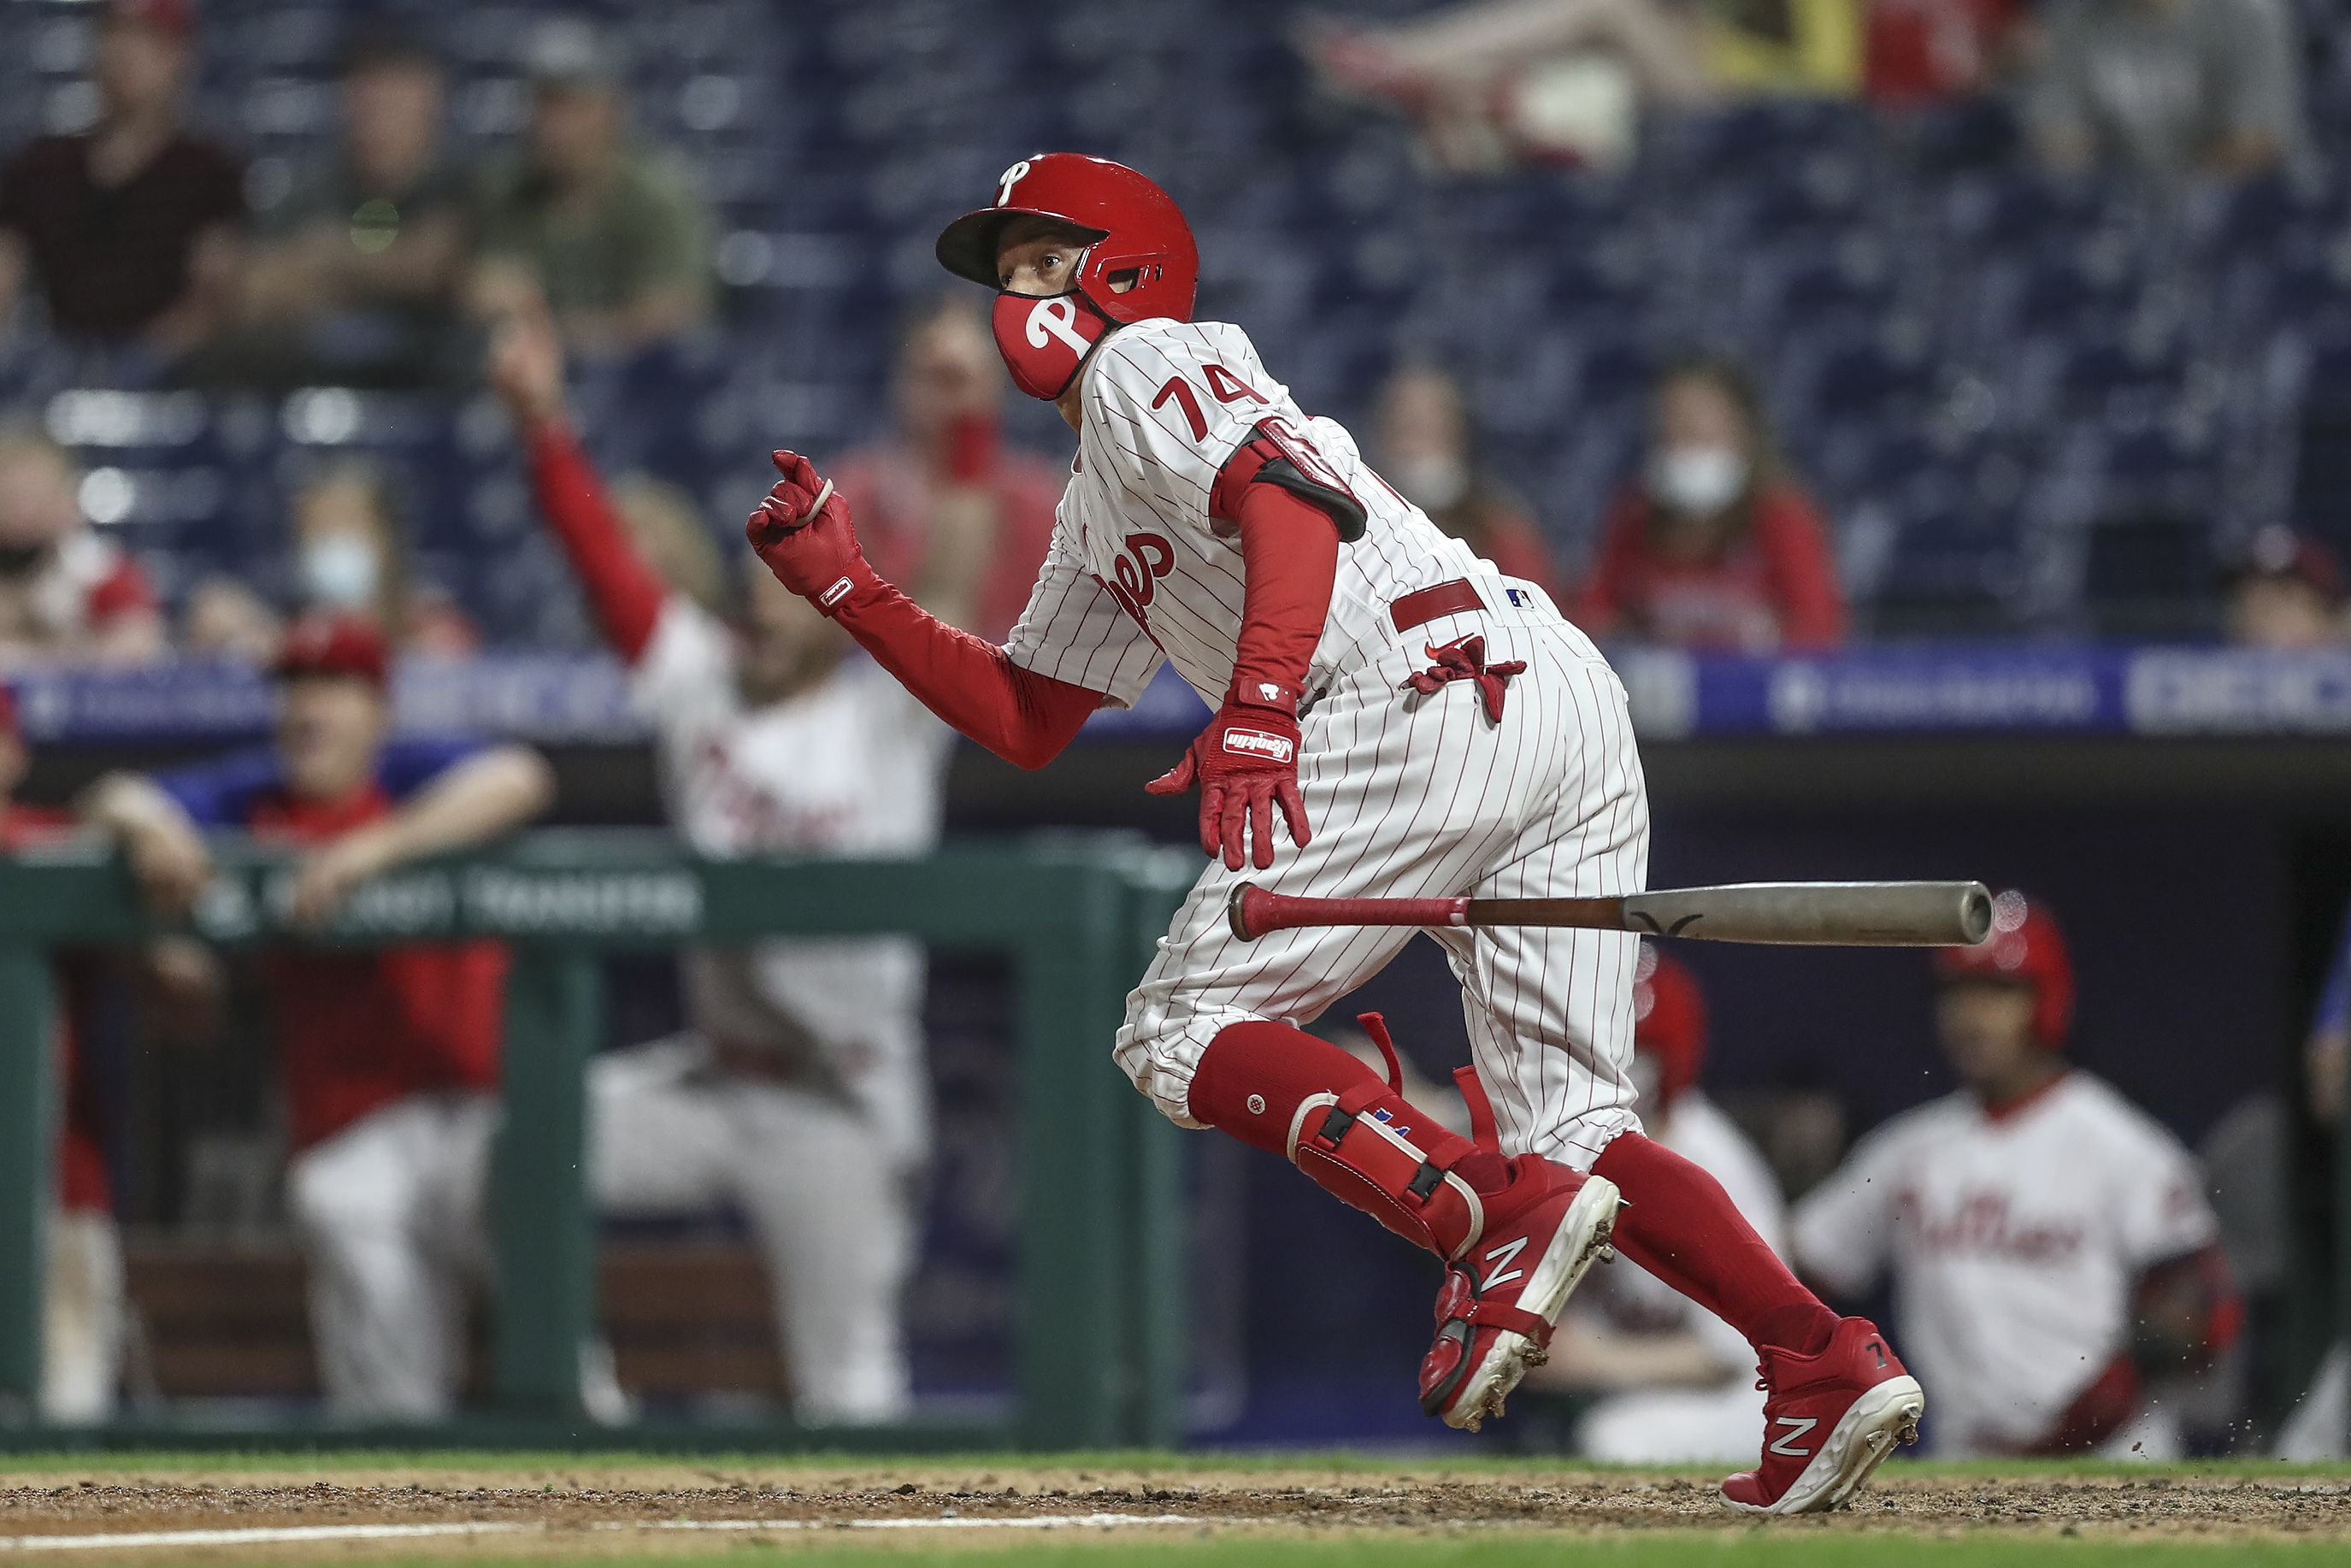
1871,374
1951,573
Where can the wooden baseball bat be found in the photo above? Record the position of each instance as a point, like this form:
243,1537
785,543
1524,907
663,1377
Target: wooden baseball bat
1801,914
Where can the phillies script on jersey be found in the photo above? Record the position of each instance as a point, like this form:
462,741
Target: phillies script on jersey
853,766
2014,1239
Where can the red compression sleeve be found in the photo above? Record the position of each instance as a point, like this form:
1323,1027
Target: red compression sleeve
622,588
1022,716
1679,1225
1290,559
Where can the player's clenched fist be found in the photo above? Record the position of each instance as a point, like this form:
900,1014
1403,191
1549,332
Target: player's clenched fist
1246,763
803,532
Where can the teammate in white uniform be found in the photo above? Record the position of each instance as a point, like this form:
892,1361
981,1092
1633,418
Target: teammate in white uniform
1420,725
1677,1384
798,1093
2050,1244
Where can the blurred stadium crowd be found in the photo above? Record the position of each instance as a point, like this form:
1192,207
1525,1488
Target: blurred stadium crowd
1741,326
2020,319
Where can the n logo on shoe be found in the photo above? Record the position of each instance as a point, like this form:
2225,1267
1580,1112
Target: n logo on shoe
1498,1258
1880,1349
1798,1426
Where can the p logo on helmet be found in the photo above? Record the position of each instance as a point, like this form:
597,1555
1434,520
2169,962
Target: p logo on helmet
1139,261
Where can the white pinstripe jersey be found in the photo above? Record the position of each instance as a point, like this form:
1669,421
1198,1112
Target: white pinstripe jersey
1138,571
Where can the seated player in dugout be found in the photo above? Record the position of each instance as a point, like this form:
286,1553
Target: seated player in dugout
1673,1383
798,1093
1393,716
2051,1253
388,1056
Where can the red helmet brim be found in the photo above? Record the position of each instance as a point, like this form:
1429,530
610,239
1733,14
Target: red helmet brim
967,247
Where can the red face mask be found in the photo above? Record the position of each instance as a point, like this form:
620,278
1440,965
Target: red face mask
1044,340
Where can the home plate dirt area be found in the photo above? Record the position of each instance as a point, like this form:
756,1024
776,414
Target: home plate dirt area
339,1507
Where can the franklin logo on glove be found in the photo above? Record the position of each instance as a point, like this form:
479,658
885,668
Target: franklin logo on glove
1257,743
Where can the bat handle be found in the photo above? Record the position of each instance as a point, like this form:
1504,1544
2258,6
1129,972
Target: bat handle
1253,912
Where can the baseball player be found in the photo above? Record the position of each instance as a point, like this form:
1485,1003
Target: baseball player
2050,1244
1674,1381
389,1056
798,1093
1393,716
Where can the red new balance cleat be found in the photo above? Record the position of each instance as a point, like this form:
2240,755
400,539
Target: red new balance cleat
1829,1420
1500,1298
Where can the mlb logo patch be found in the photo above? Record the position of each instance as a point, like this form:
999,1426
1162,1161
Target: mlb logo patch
1520,597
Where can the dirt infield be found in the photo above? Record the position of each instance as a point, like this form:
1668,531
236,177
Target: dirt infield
525,1506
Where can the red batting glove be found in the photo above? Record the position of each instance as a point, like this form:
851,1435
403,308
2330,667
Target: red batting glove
803,532
1245,762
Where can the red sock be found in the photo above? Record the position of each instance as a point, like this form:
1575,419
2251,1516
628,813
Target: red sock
1253,1076
1679,1225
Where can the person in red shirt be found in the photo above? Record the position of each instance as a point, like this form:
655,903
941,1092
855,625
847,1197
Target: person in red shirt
66,593
82,1317
1715,546
389,1056
953,510
1428,450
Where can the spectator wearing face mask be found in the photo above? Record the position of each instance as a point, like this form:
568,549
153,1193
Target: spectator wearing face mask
1714,546
941,497
66,593
351,557
1428,451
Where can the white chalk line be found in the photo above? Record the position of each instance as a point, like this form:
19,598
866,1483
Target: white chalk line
291,1534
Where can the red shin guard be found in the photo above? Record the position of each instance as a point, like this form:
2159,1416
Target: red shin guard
1280,1089
1679,1225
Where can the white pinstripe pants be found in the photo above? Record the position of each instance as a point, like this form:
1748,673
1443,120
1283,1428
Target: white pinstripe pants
1413,796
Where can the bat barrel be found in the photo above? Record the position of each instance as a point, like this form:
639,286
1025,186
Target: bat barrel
1821,913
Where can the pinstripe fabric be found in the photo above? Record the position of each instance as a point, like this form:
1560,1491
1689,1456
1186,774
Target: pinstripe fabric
1414,795
1139,497
1408,795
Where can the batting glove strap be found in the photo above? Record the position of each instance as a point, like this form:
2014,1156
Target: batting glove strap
1273,694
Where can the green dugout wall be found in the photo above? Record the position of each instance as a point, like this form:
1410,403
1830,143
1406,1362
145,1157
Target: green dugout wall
1099,1335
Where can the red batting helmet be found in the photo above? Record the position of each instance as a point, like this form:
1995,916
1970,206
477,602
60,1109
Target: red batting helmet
1128,223
1669,1021
2025,948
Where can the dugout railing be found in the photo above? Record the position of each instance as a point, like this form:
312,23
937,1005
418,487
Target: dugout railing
1099,1282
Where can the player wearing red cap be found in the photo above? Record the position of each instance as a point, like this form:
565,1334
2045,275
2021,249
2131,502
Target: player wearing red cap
389,1056
2050,1244
1393,715
1676,1384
